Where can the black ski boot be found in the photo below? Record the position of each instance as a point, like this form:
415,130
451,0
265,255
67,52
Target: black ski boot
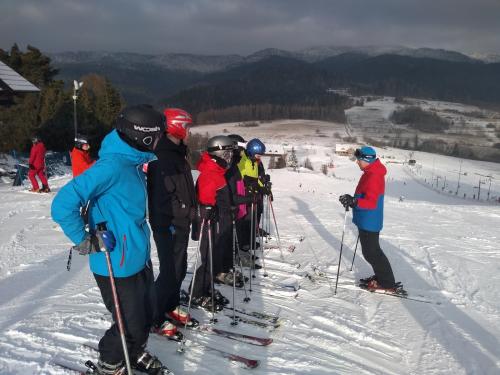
105,368
205,302
150,365
366,280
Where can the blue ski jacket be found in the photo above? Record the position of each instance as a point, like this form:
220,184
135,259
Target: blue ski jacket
116,188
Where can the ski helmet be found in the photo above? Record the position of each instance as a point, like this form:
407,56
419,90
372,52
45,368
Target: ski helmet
140,126
255,147
81,140
238,140
222,147
366,153
177,122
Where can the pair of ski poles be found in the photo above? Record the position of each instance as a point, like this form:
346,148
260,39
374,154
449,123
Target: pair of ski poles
341,246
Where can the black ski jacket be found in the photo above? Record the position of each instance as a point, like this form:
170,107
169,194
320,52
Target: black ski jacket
171,193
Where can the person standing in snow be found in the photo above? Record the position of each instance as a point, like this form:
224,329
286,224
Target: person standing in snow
37,166
115,188
80,156
172,206
215,205
368,210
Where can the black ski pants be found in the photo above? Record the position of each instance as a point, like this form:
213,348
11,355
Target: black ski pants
171,245
221,233
375,256
135,298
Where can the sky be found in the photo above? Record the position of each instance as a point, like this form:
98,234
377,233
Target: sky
246,26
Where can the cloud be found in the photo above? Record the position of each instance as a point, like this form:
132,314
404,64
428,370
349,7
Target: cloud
244,26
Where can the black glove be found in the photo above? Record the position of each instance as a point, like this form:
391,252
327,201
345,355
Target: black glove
31,166
206,212
348,201
267,178
101,240
234,212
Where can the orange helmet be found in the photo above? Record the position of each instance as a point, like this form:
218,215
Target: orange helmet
177,122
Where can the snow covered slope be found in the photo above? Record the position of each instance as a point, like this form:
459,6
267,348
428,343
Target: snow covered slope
441,247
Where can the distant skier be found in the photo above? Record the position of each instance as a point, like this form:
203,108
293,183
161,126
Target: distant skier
37,166
368,207
172,206
116,190
80,156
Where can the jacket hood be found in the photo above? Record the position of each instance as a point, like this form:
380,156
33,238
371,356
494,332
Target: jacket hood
376,168
113,145
207,164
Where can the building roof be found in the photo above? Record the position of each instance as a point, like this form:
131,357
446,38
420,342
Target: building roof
13,82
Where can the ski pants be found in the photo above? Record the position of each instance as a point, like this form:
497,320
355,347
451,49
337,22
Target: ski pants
171,245
375,256
221,238
40,172
135,298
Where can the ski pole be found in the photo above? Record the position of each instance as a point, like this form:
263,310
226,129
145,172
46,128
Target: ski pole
183,342
118,313
252,264
210,251
276,227
341,246
356,248
261,235
235,234
234,322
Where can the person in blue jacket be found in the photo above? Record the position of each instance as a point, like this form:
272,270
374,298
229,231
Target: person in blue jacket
114,191
368,215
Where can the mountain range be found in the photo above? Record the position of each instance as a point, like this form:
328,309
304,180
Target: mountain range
165,78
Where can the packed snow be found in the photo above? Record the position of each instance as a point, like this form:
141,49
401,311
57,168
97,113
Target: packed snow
443,248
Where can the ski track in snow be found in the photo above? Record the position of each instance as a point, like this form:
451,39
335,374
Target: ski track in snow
440,247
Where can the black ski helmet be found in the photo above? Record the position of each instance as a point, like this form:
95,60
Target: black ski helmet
221,146
140,126
81,140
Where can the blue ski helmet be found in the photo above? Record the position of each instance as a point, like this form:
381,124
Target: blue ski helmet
366,153
255,147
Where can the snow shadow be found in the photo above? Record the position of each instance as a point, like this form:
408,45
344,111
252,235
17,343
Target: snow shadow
461,336
32,286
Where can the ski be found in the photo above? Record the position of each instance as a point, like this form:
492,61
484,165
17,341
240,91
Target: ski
249,363
256,314
248,339
91,367
398,295
256,323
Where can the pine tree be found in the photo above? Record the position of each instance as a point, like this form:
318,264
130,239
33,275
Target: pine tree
292,161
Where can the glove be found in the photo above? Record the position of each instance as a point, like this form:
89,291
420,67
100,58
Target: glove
101,240
206,212
267,178
31,166
234,211
348,201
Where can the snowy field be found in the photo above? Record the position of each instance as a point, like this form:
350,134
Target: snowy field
442,247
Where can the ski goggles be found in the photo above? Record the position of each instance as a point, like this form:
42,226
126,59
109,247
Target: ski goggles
359,155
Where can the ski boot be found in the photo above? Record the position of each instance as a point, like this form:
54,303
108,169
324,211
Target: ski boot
220,299
228,279
150,365
374,286
366,280
44,189
180,316
33,190
205,302
105,368
168,330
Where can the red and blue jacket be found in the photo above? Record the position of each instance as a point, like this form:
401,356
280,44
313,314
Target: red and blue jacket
369,212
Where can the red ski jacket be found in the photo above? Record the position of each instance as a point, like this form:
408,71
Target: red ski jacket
37,155
210,180
369,212
80,161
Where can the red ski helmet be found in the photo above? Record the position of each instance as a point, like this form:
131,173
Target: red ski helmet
177,122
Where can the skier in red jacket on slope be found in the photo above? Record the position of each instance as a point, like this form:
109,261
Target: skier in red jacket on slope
37,166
